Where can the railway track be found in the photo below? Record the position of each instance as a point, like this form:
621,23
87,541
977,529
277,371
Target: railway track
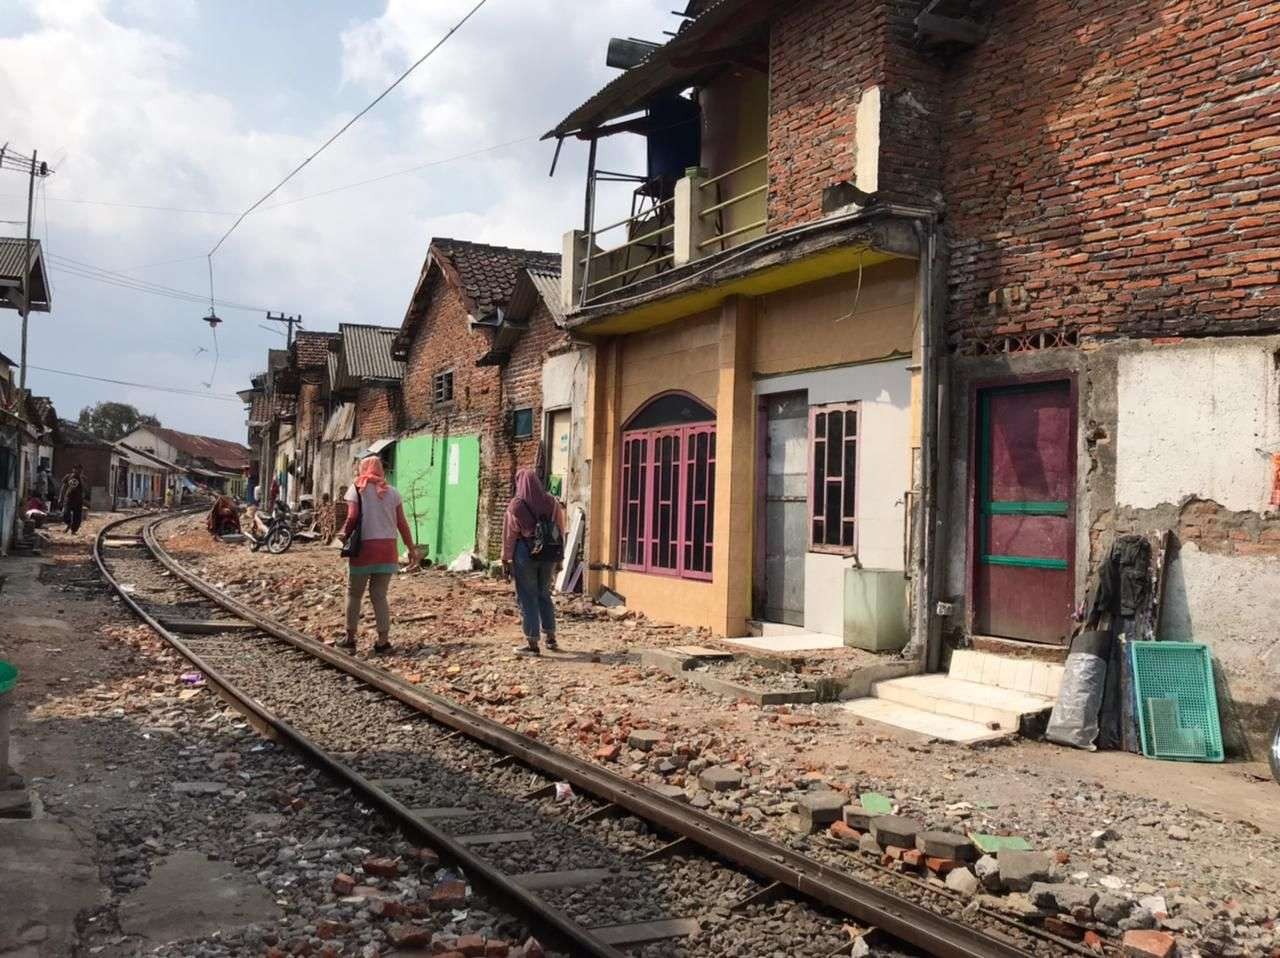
605,867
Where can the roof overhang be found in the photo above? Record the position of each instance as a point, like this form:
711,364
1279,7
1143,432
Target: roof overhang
699,51
775,262
12,279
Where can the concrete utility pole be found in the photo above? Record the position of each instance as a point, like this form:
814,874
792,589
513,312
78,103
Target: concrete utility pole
26,273
291,321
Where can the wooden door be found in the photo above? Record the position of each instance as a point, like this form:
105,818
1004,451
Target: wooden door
558,437
1025,512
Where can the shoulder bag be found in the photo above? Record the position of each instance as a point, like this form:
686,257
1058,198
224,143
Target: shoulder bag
351,548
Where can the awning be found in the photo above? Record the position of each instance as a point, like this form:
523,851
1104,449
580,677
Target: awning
699,51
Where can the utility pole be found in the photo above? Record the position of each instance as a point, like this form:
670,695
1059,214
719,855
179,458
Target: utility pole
26,272
291,321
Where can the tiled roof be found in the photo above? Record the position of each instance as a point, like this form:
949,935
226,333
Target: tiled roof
488,273
312,349
221,452
366,352
259,410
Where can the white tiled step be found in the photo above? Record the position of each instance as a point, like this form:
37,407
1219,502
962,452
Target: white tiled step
986,705
916,720
1006,672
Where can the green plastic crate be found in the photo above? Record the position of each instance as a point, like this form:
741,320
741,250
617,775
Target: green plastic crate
1177,703
8,676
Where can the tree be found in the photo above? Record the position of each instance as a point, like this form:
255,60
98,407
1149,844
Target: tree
113,421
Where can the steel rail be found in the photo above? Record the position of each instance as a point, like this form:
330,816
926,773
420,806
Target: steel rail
559,927
903,919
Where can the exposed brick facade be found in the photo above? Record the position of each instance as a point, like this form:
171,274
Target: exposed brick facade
311,408
377,411
1112,167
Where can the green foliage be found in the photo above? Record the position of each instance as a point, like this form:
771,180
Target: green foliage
114,420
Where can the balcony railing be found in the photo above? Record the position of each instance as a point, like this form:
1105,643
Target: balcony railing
707,215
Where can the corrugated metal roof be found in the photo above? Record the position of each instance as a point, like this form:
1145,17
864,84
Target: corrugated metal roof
548,286
366,353
13,269
341,424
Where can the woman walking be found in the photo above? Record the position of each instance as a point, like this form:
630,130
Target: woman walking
532,506
376,510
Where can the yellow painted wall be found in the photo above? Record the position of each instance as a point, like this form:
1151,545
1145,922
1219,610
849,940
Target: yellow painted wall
735,129
668,599
679,355
831,323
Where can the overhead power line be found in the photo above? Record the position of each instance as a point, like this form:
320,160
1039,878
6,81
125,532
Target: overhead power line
346,126
176,390
98,274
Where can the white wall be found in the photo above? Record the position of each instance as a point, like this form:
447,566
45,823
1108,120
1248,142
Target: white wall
884,391
565,385
1196,420
144,439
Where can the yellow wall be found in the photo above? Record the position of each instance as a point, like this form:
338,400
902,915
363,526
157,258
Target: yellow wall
831,323
676,356
735,118
716,356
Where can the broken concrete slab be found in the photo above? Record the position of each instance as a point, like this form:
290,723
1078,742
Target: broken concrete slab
1064,899
680,666
1020,870
189,896
720,778
964,882
644,739
57,879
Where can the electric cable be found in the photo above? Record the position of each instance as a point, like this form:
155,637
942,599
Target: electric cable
176,390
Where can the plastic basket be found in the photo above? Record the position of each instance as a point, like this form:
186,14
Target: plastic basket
8,676
1177,704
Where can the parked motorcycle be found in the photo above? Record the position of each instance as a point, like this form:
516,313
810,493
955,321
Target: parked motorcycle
276,533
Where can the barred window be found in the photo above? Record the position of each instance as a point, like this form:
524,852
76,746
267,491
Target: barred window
442,387
833,471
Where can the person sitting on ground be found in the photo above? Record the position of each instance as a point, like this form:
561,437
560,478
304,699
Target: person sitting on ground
531,504
223,518
376,508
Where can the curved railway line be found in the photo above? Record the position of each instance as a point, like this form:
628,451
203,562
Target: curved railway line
612,870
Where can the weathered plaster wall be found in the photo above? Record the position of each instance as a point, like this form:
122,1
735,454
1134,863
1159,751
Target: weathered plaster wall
1196,420
884,392
1172,435
565,385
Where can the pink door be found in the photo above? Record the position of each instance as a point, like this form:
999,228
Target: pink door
1025,512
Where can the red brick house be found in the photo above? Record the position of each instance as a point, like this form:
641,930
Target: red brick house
480,325
1057,216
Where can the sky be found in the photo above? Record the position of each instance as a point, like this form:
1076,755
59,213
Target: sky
201,106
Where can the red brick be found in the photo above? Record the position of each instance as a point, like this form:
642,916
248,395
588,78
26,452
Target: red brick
470,945
608,753
1094,942
1148,944
496,948
410,936
343,884
941,866
845,835
451,893
381,867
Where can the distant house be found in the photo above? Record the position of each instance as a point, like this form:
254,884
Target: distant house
220,464
104,464
147,476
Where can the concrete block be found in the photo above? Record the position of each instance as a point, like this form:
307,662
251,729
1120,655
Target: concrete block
963,881
720,778
945,845
869,845
644,739
895,830
1064,899
816,810
855,816
1020,870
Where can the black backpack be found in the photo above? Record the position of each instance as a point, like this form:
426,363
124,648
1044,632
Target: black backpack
548,541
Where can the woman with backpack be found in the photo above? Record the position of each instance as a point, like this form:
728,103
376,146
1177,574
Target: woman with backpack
533,549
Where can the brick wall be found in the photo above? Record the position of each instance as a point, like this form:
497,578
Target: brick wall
522,389
822,54
1212,527
1111,167
377,411
311,409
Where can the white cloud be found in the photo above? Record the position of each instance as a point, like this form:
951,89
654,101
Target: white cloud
106,86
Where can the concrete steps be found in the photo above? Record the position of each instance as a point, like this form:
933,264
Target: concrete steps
983,696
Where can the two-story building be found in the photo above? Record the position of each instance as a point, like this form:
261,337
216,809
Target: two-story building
938,298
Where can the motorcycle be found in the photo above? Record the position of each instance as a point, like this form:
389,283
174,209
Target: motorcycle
275,533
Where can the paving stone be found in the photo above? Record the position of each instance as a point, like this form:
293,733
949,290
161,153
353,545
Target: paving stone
964,881
987,868
816,810
945,845
1020,870
1148,944
644,739
1064,899
895,830
720,778
855,816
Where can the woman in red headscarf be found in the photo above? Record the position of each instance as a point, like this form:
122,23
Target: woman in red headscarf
532,506
376,508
